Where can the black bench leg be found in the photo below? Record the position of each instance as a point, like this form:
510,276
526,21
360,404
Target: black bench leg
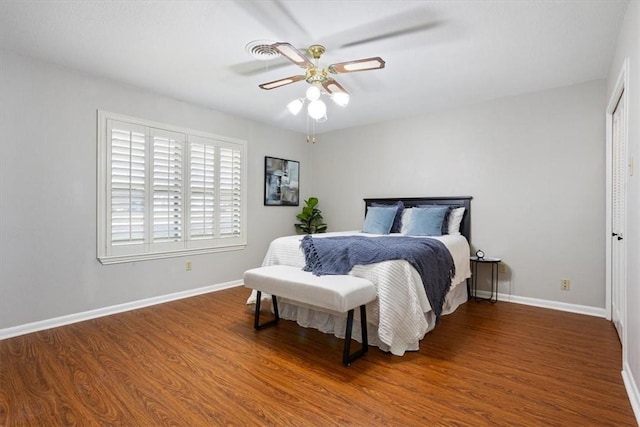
256,319
347,357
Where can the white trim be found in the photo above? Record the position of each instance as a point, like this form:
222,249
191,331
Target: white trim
118,259
114,309
608,209
632,390
622,85
149,249
554,305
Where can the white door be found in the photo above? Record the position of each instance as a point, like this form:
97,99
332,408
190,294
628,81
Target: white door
618,183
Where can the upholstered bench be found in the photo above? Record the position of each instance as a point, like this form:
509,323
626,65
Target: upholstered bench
341,293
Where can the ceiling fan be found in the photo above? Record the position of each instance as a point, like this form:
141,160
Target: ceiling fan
315,75
409,24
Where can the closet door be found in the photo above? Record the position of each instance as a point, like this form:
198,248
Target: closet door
618,209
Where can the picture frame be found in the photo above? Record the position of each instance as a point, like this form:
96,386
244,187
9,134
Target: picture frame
281,182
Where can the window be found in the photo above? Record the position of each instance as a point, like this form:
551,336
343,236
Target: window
165,191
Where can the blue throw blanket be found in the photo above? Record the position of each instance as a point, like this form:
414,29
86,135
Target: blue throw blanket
338,255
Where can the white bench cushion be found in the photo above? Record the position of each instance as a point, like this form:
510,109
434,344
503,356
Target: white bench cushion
339,293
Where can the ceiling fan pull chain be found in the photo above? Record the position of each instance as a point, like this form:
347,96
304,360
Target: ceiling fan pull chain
311,138
313,132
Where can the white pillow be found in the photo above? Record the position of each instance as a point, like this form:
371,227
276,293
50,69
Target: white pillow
455,218
406,219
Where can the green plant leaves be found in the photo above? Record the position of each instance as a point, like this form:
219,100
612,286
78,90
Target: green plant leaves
310,219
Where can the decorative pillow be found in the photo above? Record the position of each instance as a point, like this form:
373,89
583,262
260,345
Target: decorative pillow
397,220
379,220
455,219
406,219
445,222
427,221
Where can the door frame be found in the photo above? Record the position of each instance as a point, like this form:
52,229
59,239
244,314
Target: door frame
622,85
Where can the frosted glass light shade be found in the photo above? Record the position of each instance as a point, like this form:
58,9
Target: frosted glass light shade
295,106
317,109
313,93
340,98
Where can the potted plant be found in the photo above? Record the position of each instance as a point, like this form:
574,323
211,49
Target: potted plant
310,219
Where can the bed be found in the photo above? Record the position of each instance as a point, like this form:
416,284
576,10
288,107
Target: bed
401,315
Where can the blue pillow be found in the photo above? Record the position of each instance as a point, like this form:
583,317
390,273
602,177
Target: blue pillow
427,221
397,221
445,222
379,220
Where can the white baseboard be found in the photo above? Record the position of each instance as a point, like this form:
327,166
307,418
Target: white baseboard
632,391
107,311
555,305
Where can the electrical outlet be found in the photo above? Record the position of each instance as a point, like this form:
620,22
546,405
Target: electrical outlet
565,284
187,266
502,268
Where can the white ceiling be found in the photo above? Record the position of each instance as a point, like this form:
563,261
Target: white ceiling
439,54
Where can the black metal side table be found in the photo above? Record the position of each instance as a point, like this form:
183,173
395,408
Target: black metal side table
493,262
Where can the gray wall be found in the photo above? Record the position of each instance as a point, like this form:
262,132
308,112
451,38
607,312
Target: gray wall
534,165
629,47
48,265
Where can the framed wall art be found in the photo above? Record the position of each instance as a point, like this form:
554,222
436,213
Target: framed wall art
281,182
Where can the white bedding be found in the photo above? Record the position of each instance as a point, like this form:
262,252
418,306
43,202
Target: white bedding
401,315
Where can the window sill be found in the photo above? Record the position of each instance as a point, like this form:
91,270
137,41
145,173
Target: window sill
119,259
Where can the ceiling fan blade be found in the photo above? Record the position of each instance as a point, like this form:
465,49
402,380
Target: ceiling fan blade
391,34
276,15
374,63
252,68
280,82
408,25
294,55
332,87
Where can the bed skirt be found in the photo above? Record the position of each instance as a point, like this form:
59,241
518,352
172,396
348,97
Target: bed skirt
335,323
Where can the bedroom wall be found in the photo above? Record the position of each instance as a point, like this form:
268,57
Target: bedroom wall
48,265
534,165
628,46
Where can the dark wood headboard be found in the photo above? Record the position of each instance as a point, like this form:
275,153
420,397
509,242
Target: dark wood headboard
465,226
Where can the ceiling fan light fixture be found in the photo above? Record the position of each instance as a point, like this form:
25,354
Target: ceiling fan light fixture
313,93
317,109
341,98
295,106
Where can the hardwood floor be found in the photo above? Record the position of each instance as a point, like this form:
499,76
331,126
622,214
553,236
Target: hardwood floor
199,362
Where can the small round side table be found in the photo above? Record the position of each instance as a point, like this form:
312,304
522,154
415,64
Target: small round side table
493,262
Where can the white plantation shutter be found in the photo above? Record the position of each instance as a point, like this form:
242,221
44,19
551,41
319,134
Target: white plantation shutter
167,184
127,183
230,191
166,191
202,187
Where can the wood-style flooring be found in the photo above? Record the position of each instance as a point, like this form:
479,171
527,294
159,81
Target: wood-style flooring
198,362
